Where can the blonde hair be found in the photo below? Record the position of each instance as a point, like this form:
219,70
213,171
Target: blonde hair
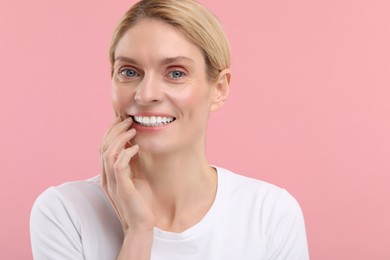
199,25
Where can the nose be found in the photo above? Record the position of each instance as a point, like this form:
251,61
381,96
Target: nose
148,91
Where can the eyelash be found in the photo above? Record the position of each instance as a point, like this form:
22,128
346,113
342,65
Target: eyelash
170,74
122,71
121,74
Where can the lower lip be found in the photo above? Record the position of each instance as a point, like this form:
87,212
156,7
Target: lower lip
141,128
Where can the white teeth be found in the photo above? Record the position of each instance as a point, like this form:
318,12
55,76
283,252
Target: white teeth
153,120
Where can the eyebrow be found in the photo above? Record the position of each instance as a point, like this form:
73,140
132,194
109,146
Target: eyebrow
165,61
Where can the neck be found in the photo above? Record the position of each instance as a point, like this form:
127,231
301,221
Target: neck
178,181
173,171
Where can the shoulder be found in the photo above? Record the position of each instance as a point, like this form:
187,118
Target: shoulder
73,198
271,209
272,201
71,219
242,185
68,192
274,210
55,223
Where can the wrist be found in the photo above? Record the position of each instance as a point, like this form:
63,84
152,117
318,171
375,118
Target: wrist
144,234
136,245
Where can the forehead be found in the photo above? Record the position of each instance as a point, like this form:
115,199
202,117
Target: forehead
152,40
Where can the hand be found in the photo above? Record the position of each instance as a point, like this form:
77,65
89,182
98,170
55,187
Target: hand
130,196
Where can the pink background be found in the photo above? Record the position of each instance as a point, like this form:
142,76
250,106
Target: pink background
309,109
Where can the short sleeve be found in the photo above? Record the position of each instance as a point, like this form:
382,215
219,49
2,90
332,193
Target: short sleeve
286,233
54,229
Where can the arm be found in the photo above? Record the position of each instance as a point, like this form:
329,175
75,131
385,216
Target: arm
53,229
286,234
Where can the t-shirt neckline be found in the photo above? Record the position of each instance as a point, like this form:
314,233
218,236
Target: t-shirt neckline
207,220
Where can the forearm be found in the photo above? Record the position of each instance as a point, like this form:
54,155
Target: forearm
136,246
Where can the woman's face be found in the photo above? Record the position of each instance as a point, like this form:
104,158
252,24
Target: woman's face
160,80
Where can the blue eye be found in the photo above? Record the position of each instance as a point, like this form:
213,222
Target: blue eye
176,74
128,73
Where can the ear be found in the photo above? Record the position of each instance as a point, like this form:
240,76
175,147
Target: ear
221,90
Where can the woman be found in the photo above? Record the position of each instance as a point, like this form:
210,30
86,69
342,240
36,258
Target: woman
157,197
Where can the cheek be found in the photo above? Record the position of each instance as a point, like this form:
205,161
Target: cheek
195,99
120,98
188,98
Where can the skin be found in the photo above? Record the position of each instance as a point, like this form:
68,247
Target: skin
159,178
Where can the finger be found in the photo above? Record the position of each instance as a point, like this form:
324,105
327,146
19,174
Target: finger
116,129
103,175
103,178
112,154
117,145
116,121
125,186
122,125
120,141
122,168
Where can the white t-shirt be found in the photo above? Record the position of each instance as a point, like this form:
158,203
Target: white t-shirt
248,220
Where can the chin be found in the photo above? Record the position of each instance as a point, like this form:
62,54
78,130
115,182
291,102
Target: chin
150,146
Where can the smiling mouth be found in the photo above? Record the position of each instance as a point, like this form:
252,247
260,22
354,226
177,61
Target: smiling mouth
153,120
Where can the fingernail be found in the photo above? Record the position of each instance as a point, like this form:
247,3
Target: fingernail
131,130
